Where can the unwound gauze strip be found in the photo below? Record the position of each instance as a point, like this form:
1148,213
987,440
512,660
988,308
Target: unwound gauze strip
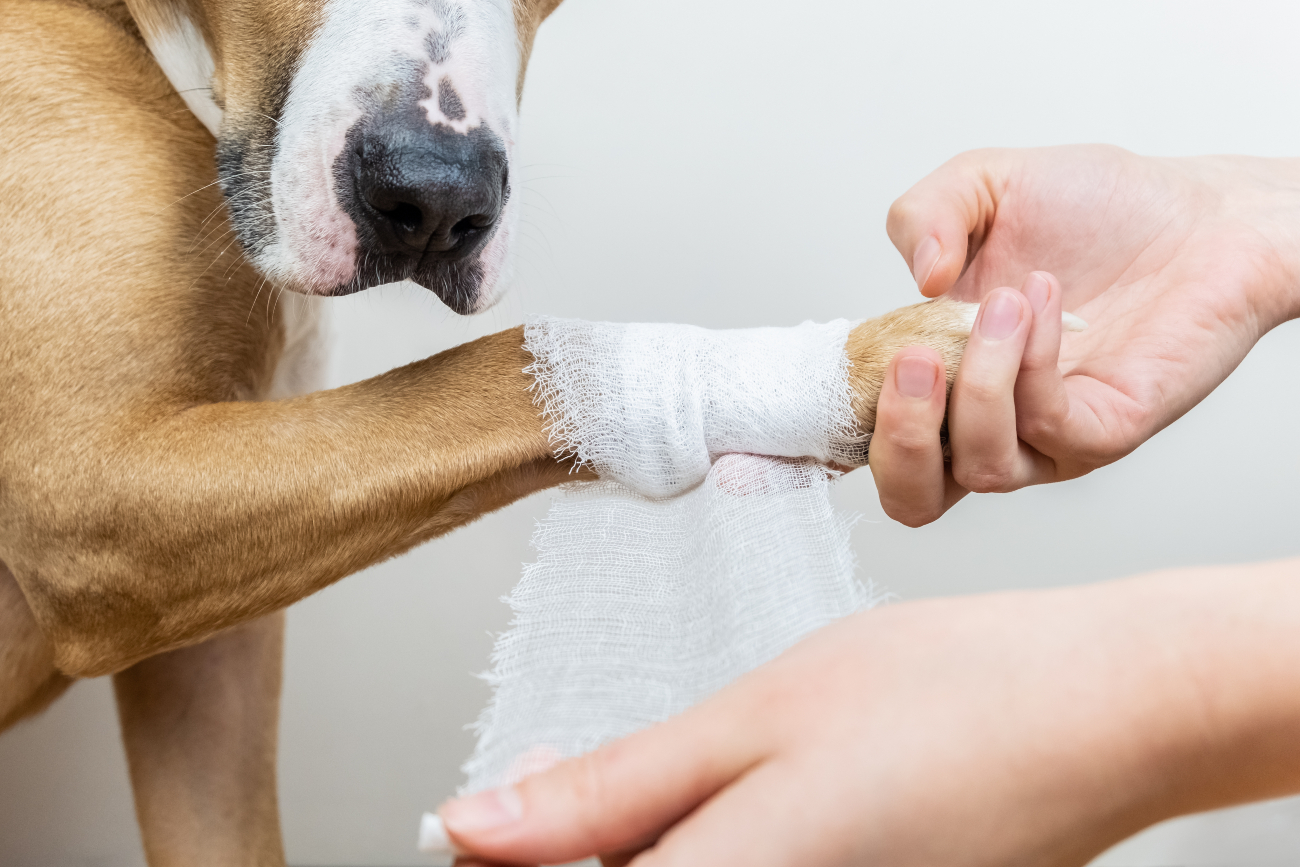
708,547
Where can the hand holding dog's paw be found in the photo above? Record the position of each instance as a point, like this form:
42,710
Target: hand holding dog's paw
906,365
924,461
1178,266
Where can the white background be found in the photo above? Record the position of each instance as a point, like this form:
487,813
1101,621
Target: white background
729,163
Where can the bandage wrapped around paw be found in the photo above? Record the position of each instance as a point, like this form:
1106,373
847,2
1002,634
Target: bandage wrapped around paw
653,406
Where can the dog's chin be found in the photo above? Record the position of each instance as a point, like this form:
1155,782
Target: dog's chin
462,285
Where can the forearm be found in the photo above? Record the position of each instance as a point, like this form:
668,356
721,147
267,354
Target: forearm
1203,671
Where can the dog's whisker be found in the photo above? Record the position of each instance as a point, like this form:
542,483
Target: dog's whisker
205,233
213,240
210,185
258,294
216,210
216,237
214,261
222,205
549,205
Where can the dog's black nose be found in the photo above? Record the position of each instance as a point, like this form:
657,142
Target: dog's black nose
423,192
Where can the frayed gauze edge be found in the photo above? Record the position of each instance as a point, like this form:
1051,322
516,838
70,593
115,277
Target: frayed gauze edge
709,546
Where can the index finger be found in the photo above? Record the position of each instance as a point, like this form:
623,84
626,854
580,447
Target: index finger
942,220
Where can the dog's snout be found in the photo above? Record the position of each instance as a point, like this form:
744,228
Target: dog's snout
426,192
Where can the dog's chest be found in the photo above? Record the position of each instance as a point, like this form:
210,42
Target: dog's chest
303,363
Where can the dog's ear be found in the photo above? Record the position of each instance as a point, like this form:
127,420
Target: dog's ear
529,15
225,57
178,35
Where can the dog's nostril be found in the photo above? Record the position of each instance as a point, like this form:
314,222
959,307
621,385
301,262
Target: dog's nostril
404,215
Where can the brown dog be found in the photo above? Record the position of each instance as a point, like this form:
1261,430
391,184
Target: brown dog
169,481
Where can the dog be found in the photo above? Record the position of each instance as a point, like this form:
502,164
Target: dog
171,475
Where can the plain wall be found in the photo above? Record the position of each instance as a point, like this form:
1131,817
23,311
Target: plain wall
729,163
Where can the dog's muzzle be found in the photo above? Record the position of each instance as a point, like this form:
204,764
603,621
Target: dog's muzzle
425,201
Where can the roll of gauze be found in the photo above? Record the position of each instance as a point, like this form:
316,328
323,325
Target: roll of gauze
708,547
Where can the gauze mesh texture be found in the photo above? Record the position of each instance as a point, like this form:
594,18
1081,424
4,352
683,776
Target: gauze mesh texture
653,405
708,546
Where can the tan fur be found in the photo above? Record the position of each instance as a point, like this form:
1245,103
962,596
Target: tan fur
155,513
147,503
199,725
941,325
529,15
29,680
255,46
146,498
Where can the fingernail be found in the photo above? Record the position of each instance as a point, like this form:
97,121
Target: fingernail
490,809
925,259
1037,290
915,376
433,836
1000,316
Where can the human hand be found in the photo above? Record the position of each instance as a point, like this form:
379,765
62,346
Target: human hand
1032,728
1178,266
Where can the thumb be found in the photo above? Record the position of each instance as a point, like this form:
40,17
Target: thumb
619,798
941,221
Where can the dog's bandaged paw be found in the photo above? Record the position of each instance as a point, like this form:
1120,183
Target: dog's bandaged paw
653,406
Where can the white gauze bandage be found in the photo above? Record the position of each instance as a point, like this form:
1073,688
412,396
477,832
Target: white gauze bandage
708,546
652,406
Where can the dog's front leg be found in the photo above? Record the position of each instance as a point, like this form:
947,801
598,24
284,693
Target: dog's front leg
150,526
199,725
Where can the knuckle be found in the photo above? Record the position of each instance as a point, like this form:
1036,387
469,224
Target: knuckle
590,784
1104,454
912,446
901,213
587,789
1039,428
985,479
980,389
974,157
1035,362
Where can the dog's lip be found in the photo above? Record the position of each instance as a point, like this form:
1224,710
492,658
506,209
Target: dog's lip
461,294
460,302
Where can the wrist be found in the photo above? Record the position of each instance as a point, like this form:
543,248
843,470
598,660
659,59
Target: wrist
1261,201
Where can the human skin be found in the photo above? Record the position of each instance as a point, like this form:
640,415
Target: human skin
1178,266
1032,728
